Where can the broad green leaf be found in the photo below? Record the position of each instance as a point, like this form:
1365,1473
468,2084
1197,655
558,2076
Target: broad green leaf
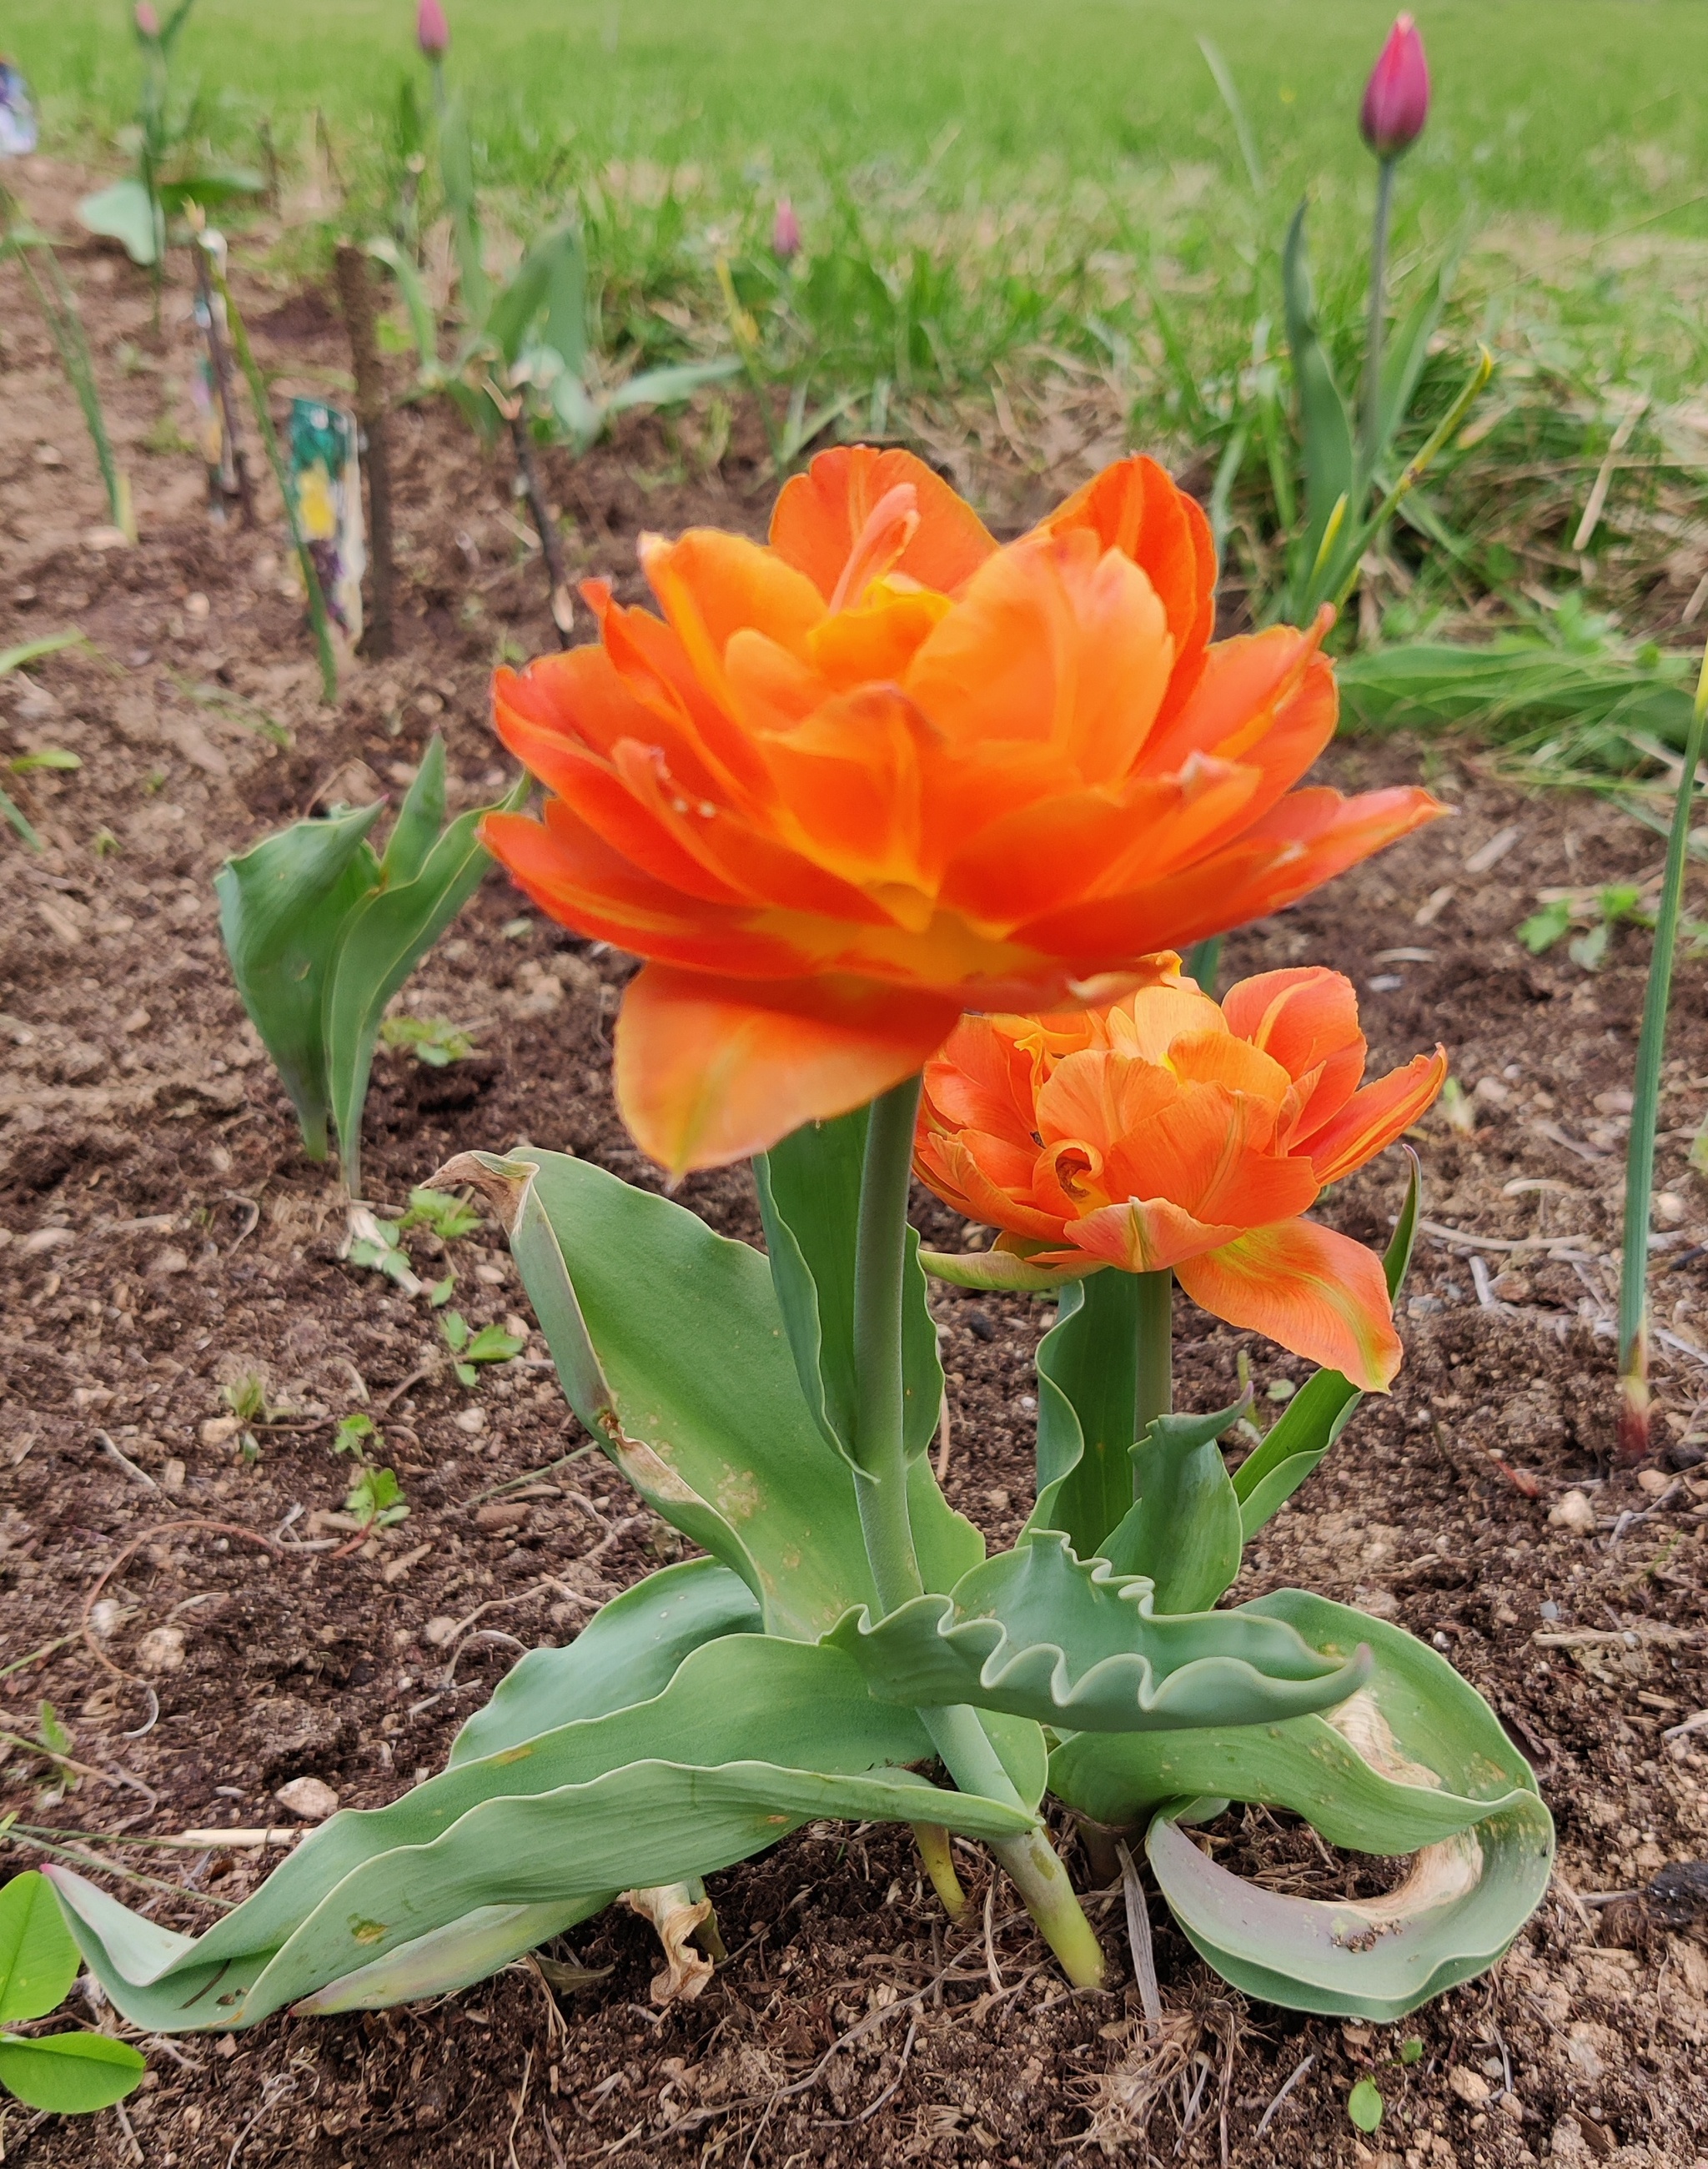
384,937
438,1964
1459,1910
693,1391
38,1960
626,1653
572,408
123,213
550,280
1183,1530
457,174
1087,1401
753,1735
1321,1410
1075,1646
281,906
69,2074
1314,1765
422,321
1325,424
419,819
664,387
810,1200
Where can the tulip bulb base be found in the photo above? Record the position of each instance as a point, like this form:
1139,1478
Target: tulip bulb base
1035,1869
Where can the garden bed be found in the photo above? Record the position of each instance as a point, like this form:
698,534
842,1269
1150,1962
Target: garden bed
163,1239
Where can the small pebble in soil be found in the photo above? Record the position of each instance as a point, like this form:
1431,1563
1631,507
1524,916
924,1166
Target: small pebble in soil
1574,1512
1685,1453
981,1325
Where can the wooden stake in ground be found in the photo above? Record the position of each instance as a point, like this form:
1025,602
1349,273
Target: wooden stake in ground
206,246
356,295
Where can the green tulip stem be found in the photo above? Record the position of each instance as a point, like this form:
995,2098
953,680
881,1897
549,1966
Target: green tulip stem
881,1488
1155,1396
1373,345
1639,1163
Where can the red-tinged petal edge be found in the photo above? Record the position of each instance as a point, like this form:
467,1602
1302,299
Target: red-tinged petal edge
1316,1292
710,1070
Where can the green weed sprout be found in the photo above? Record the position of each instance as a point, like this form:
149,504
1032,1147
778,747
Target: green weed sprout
137,211
322,930
435,1040
66,2074
490,1345
14,658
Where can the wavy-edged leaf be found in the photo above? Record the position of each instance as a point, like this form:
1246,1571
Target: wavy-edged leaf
38,1960
628,1651
1183,1530
1075,1646
1317,1414
385,935
1313,1765
754,1735
692,1391
810,1200
1087,1410
69,2074
281,907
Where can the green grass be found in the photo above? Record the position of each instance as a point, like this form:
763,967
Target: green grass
1586,112
1050,200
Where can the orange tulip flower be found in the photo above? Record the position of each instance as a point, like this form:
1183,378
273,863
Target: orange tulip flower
884,771
1169,1130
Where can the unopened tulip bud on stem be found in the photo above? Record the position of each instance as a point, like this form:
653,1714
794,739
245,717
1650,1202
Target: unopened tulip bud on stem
1396,106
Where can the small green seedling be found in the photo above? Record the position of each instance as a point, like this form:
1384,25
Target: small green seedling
352,1434
51,757
441,1213
65,2074
322,931
377,1499
1411,2051
435,1040
1599,911
1364,2105
247,1399
491,1345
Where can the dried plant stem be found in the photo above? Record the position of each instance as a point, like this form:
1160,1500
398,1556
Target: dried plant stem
219,354
550,547
356,292
276,458
1640,1161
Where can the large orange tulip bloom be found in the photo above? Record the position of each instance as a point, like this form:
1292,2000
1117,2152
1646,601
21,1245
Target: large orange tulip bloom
884,771
1169,1130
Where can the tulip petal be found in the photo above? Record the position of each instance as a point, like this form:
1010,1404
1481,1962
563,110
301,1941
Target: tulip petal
1305,840
1307,1019
710,1070
1372,1119
821,514
1314,1292
959,1168
1134,507
1142,1235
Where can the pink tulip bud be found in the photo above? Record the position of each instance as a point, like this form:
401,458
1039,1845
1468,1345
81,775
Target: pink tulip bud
432,31
785,233
1397,97
147,21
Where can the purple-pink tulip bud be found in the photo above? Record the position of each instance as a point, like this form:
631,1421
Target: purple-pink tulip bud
147,21
785,233
432,31
1397,97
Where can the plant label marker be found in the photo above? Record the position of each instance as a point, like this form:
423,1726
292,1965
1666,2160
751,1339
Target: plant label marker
326,491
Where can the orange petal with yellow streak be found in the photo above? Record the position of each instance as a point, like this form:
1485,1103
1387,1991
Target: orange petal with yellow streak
1372,1119
1144,1235
821,514
1314,1292
710,1070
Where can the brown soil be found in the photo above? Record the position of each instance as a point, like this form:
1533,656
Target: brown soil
161,1236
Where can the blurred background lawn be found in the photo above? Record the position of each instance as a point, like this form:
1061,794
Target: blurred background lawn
1033,233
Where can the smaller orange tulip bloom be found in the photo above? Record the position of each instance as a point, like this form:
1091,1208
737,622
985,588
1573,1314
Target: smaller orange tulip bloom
1169,1130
